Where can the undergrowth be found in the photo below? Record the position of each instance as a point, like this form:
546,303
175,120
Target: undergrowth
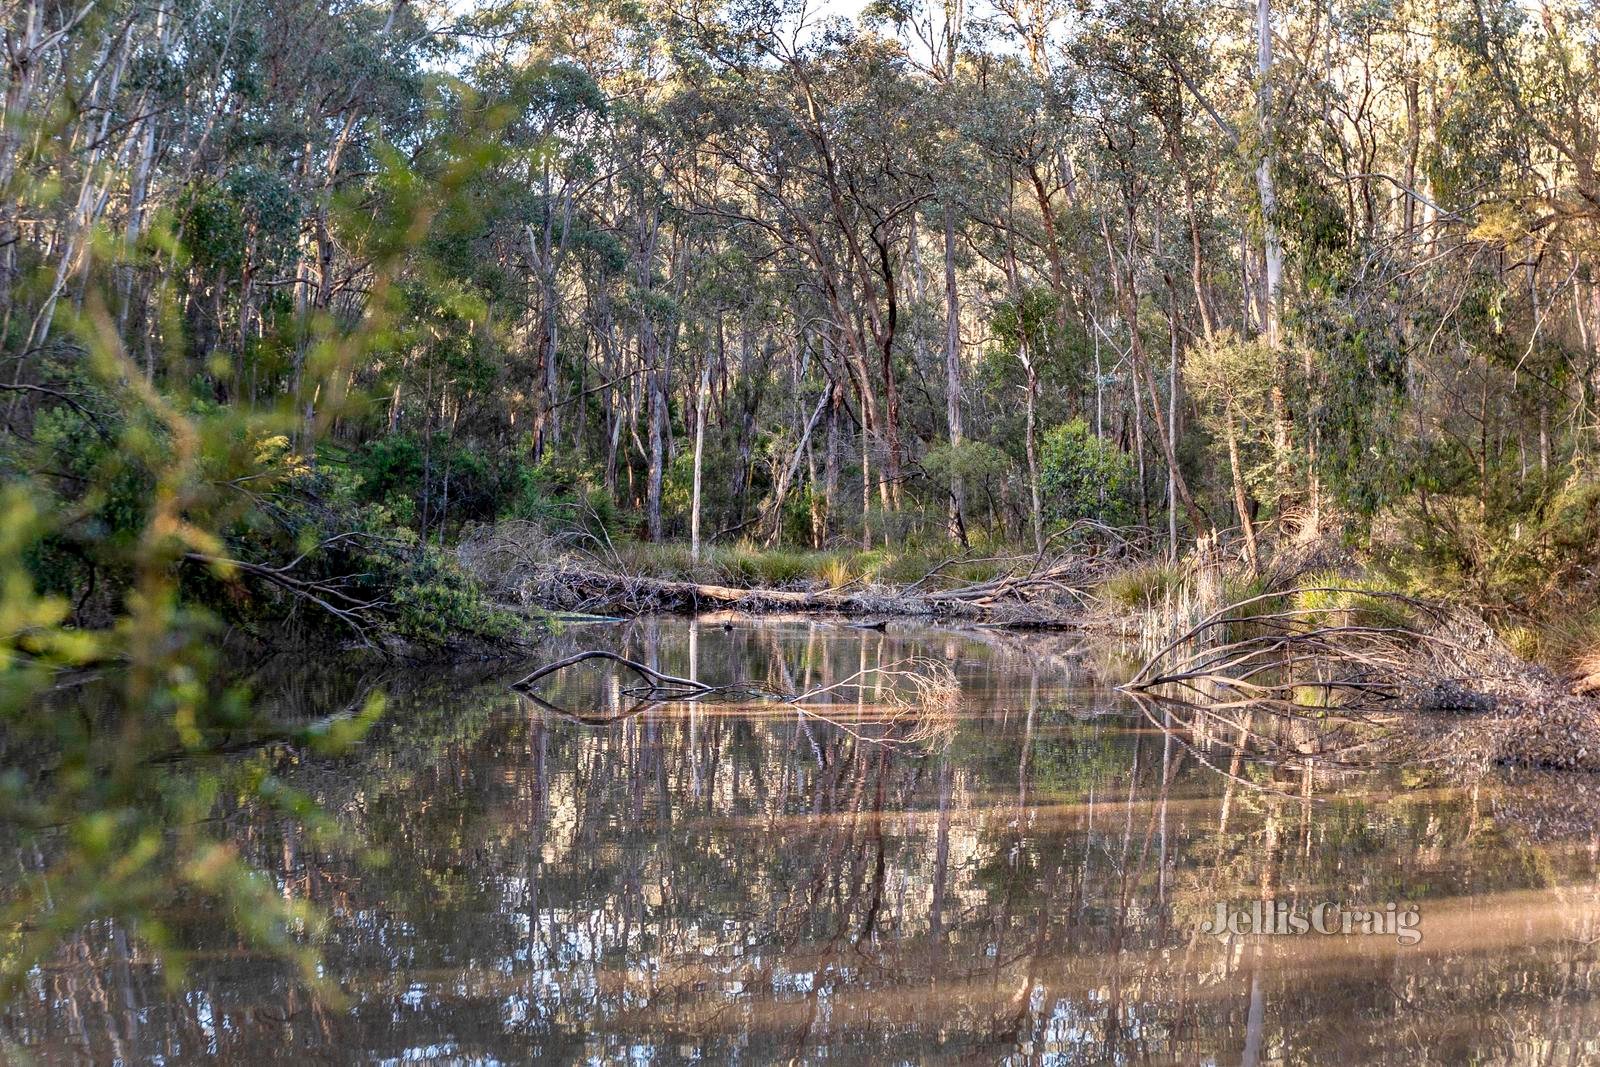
745,565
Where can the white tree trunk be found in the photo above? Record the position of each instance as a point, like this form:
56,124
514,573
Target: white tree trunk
699,452
952,368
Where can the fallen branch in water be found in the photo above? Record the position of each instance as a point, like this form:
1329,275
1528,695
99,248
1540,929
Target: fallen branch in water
648,673
519,562
933,685
327,594
1283,621
1281,656
1385,673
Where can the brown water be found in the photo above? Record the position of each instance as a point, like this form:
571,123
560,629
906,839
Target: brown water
1016,873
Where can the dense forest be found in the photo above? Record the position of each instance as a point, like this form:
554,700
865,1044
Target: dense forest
767,275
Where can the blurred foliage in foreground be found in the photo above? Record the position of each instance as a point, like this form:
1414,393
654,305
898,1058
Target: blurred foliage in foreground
145,528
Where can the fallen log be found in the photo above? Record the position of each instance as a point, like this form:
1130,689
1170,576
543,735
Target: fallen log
519,561
592,589
666,594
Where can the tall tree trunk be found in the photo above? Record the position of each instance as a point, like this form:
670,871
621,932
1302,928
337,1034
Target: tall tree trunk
1272,254
699,453
889,486
1128,298
786,478
1139,450
657,415
830,468
952,369
753,376
1030,445
866,487
1172,429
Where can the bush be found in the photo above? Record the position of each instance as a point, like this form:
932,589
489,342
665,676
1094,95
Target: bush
436,603
1084,477
418,592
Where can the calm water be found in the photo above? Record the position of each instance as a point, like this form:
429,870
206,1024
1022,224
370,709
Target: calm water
1016,872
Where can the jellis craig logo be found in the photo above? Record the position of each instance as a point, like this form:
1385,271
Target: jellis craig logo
1282,918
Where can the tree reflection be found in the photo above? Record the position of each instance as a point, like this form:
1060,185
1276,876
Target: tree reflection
700,879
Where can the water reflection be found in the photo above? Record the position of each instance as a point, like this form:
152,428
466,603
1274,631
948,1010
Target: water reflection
710,881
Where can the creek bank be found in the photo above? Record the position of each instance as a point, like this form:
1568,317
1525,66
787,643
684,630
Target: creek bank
520,565
1003,603
1395,678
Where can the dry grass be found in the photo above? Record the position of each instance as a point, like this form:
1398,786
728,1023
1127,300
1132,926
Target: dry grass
1570,645
1586,671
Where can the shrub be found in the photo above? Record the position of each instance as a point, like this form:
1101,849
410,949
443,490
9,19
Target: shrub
1084,477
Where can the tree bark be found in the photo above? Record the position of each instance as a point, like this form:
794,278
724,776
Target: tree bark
1241,498
952,368
1272,254
1030,444
699,452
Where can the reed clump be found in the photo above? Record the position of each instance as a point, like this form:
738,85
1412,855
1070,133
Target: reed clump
1360,675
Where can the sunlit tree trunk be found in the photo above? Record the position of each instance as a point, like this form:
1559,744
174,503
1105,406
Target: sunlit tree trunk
1241,498
699,452
830,468
1272,254
952,368
1127,297
1030,445
657,417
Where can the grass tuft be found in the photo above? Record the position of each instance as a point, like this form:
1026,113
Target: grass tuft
1358,602
1145,587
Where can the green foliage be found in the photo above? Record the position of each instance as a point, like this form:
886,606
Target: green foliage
171,513
1330,598
1145,587
125,828
1057,346
252,209
262,375
1509,554
770,568
435,602
1230,380
974,463
389,472
559,493
1084,477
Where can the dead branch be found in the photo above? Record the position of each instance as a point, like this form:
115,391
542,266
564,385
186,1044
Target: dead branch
932,688
325,594
650,674
1280,620
1437,686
